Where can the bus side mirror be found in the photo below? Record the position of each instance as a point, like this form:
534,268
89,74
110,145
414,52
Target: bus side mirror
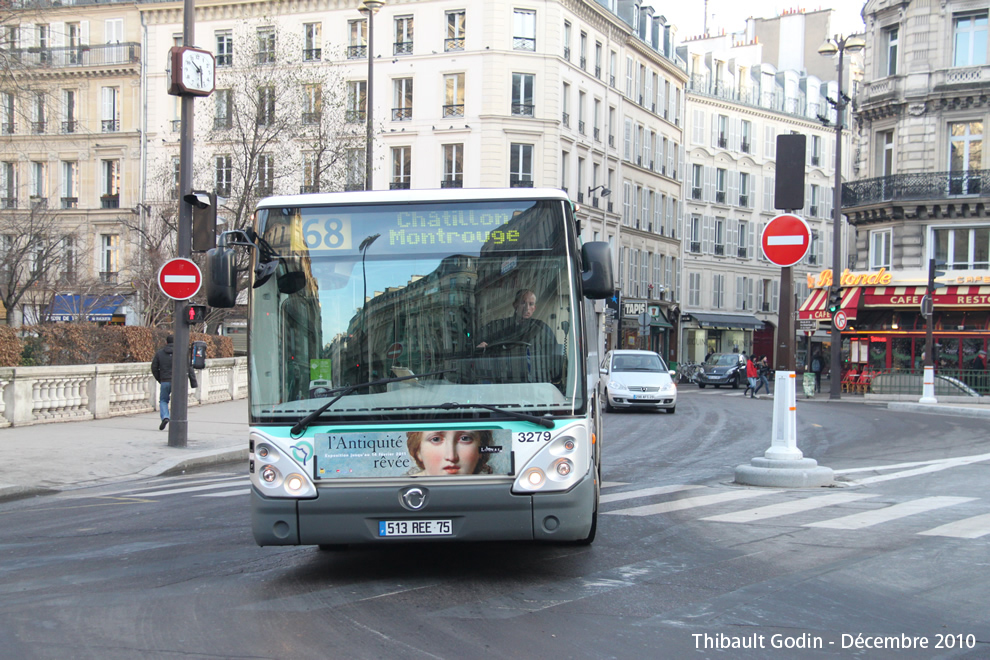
221,278
597,275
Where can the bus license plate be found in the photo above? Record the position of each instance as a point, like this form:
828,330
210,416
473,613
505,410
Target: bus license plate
415,528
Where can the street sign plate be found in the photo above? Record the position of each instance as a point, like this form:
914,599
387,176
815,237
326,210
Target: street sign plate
786,239
180,279
807,325
839,320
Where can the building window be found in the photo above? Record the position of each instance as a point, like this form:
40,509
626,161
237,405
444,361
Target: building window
718,291
401,168
813,205
742,249
266,106
110,110
356,170
266,175
310,174
747,137
225,48
963,248
880,242
70,184
888,53
522,94
266,45
7,106
357,44
885,153
8,185
524,29
222,109
521,165
357,97
223,173
312,103
965,157
69,111
697,182
694,289
453,166
720,177
970,40
453,103
816,150
744,190
694,244
110,184
109,258
583,53
598,60
69,260
312,42
455,31
403,35
402,98
567,40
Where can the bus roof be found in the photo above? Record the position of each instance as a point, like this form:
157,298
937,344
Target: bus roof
400,196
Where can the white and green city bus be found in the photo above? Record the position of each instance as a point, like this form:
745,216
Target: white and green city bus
422,365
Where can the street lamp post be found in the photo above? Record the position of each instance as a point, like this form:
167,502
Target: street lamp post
363,247
370,8
838,44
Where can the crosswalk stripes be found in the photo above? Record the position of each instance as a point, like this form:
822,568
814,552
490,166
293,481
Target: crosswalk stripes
893,512
972,527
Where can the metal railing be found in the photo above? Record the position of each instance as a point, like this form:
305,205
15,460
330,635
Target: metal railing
916,186
401,114
454,110
75,56
949,381
453,44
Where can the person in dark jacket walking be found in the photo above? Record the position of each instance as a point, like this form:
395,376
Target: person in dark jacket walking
161,369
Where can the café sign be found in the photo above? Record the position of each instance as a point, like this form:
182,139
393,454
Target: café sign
848,278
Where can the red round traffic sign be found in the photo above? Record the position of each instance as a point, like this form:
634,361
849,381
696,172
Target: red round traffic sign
179,279
393,351
839,320
786,239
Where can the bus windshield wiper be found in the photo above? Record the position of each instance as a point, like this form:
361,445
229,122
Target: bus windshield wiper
341,392
546,421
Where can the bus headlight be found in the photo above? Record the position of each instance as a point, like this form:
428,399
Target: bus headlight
559,465
281,473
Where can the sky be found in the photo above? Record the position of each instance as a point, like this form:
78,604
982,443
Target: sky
731,15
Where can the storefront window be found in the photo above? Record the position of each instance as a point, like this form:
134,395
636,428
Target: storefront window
947,352
878,354
900,353
971,346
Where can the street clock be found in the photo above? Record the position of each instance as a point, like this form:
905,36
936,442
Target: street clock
190,71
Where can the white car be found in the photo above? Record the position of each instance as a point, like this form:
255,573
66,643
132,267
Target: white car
636,379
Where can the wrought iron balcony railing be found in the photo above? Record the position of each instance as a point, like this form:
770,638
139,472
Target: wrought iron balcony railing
452,183
356,52
75,56
454,110
453,44
918,186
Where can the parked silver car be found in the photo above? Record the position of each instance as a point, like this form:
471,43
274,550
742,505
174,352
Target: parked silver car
636,379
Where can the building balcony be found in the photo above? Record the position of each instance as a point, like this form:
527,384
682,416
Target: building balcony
70,202
110,125
354,116
523,109
310,118
524,43
401,114
402,48
110,201
109,277
312,54
39,202
75,56
520,183
398,185
8,202
70,126
356,52
453,44
455,110
918,194
452,183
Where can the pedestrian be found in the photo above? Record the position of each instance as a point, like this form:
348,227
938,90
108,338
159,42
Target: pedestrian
708,355
161,369
751,375
817,365
979,363
763,370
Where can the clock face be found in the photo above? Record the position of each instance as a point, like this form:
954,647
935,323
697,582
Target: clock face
197,71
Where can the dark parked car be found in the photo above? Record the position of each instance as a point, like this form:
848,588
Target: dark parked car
723,369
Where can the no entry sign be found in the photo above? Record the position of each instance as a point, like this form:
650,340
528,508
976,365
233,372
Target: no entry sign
180,279
786,240
393,351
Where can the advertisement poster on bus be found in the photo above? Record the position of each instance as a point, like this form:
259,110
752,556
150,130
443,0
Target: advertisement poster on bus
446,452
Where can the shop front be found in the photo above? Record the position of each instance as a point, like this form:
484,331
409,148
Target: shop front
704,333
886,329
646,326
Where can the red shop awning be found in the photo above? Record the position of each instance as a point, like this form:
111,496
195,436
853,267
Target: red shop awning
816,306
958,297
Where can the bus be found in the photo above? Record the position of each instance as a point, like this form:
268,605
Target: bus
422,365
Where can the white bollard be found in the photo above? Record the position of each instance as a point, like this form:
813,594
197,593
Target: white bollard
783,438
928,387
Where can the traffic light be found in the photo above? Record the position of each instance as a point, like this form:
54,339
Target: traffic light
204,219
195,314
934,272
834,300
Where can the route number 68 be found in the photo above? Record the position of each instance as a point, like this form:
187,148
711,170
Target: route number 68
327,233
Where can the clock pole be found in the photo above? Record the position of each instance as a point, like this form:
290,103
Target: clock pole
178,424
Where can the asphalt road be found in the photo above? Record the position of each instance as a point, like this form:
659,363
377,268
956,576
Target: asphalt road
686,563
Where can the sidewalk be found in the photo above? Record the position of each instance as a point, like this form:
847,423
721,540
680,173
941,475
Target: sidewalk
45,458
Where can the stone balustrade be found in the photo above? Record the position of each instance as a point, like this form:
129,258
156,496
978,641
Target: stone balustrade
38,395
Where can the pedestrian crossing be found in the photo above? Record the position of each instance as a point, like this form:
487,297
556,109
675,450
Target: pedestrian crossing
795,507
840,511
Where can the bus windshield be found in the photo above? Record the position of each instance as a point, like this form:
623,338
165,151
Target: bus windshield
468,301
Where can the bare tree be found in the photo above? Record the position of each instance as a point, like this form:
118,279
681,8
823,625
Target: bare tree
32,253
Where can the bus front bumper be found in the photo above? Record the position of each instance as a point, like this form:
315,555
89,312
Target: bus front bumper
484,512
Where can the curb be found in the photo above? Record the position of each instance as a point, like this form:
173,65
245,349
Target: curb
958,411
178,465
8,493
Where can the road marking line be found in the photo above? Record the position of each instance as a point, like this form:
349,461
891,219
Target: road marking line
937,467
613,484
902,510
967,528
645,492
876,468
689,503
244,491
191,489
787,508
